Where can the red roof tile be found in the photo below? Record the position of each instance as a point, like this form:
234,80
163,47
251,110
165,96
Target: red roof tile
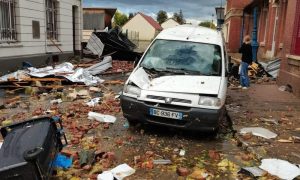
151,21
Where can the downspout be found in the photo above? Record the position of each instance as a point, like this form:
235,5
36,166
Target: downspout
254,36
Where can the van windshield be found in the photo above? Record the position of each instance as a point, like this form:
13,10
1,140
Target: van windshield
183,56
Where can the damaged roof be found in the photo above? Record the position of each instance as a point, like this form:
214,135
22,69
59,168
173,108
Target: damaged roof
192,33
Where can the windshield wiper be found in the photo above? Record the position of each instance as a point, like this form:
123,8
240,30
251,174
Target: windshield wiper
183,71
151,70
213,74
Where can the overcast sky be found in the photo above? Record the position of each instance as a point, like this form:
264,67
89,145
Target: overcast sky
193,10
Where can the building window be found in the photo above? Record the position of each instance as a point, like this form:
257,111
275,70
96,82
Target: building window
51,19
8,31
93,21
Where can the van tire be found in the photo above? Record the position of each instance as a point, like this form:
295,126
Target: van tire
132,122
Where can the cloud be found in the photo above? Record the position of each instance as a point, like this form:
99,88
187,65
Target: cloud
193,10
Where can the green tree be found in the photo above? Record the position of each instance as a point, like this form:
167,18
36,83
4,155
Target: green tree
161,16
131,15
179,17
120,19
208,24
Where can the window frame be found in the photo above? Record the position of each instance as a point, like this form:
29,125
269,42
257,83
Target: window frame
51,19
8,31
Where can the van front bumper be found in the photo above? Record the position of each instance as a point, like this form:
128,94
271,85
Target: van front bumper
198,119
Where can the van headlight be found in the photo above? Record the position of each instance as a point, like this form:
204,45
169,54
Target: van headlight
133,90
209,101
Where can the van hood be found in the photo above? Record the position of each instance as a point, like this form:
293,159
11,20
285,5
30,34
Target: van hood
177,83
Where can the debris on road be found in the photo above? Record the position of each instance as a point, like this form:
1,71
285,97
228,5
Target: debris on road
181,171
101,117
282,169
93,102
162,161
199,174
120,172
62,161
100,67
56,101
272,120
226,164
106,175
252,171
272,67
259,131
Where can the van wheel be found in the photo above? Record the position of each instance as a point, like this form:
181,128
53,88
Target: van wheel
132,122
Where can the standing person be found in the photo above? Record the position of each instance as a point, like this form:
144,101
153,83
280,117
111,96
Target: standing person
246,50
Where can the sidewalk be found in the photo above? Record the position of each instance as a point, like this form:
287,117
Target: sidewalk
258,107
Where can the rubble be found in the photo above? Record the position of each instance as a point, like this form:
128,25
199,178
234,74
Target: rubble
182,171
62,161
280,168
259,131
252,171
119,172
162,161
93,102
151,154
101,117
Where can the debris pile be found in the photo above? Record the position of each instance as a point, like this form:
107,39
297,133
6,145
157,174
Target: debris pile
260,72
65,74
113,43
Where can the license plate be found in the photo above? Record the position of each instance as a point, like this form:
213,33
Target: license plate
166,114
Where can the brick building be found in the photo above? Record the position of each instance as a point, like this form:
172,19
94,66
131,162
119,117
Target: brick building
290,65
233,23
278,33
239,19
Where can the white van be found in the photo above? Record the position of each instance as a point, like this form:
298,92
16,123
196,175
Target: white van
180,81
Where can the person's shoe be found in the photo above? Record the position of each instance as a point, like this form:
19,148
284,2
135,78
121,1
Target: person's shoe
245,88
239,86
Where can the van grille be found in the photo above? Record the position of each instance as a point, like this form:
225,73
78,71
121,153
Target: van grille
161,98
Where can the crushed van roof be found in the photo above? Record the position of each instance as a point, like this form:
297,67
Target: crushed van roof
192,33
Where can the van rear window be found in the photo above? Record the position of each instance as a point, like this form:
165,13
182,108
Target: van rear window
200,58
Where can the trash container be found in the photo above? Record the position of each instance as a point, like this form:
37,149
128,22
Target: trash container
30,147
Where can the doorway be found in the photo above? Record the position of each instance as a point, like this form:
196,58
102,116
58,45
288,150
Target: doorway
75,19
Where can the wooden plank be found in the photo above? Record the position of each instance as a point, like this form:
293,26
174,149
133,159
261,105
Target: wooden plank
16,84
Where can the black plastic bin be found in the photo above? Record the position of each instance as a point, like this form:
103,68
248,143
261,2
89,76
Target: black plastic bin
30,147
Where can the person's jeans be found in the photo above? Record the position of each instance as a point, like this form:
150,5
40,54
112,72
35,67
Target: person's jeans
244,78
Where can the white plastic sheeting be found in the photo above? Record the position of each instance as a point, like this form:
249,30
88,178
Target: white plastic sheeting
259,131
65,70
280,168
120,172
101,117
100,67
59,70
19,75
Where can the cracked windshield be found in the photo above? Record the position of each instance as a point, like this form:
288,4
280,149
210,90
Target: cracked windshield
142,90
186,57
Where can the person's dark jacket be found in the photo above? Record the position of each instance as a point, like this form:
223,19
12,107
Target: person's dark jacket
246,51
